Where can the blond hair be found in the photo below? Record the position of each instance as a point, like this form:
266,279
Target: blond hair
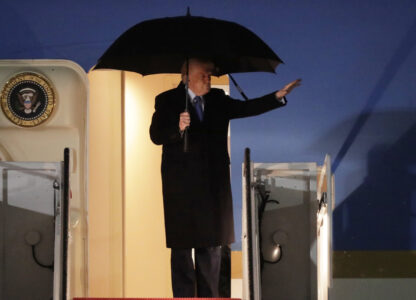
191,61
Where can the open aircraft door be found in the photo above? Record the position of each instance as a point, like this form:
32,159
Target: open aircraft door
34,210
287,221
43,220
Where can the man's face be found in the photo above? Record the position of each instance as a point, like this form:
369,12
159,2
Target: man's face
200,77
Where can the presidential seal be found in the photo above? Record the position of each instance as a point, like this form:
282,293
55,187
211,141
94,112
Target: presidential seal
27,99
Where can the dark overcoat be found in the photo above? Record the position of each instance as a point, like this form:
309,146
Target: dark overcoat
196,185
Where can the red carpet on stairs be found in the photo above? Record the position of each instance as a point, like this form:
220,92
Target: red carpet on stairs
152,298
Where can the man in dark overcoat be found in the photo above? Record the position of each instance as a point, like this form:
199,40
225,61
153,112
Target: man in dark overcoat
196,184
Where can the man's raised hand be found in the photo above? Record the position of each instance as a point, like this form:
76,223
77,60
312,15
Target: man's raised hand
288,88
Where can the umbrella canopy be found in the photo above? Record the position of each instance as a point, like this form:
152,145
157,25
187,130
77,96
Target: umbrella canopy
163,45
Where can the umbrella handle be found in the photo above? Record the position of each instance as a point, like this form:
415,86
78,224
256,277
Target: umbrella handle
185,134
185,141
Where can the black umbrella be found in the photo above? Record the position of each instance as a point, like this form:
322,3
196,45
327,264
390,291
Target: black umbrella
163,45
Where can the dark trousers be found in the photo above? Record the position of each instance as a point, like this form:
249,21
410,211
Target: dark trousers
200,280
